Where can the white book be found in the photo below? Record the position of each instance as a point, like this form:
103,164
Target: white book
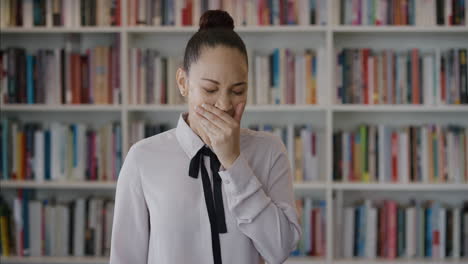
424,154
436,69
78,169
307,227
258,80
35,228
196,12
338,217
267,91
297,79
403,163
65,230
456,237
382,150
171,80
4,15
348,241
98,227
27,13
364,12
450,156
49,11
428,79
79,228
77,13
371,232
39,160
435,228
410,232
345,155
142,11
58,245
18,222
157,80
109,222
251,89
56,155
442,229
51,227
142,77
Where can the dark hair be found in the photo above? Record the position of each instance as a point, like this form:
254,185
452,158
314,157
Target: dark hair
216,28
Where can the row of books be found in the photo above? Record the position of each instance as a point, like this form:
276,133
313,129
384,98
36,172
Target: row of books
60,76
303,144
433,77
59,151
250,12
59,13
312,218
389,229
403,12
51,227
285,77
381,153
152,78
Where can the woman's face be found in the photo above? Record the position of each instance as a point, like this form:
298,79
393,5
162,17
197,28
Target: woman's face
219,77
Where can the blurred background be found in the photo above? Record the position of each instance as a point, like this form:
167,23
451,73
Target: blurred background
370,98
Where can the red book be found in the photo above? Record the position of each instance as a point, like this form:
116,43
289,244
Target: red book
111,62
392,230
76,78
394,156
312,225
118,10
382,231
365,77
415,75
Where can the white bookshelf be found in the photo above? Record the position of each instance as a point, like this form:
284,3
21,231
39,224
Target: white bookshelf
326,115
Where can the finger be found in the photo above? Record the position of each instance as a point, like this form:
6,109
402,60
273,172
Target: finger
213,118
239,112
218,112
209,124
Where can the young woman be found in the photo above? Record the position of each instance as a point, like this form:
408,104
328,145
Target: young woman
207,191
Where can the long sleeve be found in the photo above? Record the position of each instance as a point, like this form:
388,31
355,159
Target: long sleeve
130,230
266,215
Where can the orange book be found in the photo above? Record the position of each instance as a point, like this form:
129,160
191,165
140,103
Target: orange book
308,70
376,80
76,78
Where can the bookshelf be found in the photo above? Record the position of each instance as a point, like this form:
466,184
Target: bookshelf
327,116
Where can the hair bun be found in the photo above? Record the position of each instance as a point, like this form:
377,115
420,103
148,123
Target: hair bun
216,19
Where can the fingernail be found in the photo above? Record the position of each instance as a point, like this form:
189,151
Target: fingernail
204,105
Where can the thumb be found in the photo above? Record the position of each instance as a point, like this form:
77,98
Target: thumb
239,111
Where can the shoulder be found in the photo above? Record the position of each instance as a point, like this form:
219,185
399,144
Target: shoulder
262,141
158,143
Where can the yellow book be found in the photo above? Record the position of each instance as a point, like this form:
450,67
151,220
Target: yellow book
4,232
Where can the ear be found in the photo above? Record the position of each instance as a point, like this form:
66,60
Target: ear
181,79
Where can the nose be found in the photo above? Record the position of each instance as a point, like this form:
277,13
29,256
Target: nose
224,103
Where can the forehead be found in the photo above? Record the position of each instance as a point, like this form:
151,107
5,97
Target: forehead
220,62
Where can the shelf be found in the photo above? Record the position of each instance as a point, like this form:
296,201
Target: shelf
401,186
402,261
77,260
239,29
399,108
399,29
24,30
77,185
249,108
59,108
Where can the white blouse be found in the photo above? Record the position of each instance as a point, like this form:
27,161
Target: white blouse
160,212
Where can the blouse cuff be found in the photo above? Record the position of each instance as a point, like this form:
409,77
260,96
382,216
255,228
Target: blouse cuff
238,176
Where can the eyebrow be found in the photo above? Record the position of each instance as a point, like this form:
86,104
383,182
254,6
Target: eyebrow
216,82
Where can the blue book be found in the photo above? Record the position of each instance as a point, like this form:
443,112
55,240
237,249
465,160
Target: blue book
47,155
276,76
25,211
30,60
428,244
362,231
